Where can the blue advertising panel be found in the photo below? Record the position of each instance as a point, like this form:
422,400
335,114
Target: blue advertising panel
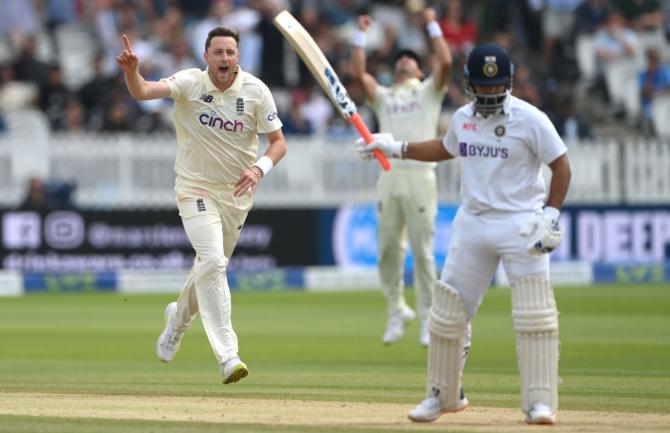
354,236
615,235
595,234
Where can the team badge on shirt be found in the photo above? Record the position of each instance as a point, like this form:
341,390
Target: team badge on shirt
239,106
490,66
499,131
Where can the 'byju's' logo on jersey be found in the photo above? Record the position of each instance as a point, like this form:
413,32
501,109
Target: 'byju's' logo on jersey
214,121
206,98
483,151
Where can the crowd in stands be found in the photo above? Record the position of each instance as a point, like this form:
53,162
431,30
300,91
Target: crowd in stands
570,55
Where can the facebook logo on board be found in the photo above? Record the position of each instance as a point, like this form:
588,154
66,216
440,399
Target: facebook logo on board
21,230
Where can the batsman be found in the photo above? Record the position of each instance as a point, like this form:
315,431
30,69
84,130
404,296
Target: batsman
502,142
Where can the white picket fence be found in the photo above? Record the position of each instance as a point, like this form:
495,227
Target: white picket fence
136,170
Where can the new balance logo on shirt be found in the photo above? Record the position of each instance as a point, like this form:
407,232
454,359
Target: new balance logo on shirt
206,98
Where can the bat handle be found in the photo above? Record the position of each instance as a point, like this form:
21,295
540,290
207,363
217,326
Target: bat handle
365,133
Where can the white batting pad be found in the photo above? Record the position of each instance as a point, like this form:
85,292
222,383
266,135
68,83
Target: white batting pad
536,323
447,326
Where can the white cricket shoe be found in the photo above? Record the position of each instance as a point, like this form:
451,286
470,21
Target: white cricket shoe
168,342
424,335
395,327
431,409
233,371
540,413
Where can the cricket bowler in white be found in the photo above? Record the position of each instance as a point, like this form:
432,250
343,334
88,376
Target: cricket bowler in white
218,113
407,194
502,142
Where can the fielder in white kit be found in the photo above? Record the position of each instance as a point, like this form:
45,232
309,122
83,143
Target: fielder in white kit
502,142
218,113
407,195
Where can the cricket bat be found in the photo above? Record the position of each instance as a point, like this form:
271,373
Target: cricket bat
316,61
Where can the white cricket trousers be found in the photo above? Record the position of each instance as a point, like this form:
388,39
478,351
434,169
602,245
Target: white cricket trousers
213,222
478,244
407,206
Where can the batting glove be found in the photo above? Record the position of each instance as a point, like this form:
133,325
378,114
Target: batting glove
382,141
544,233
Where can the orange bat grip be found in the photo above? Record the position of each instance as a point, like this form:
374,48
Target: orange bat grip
365,133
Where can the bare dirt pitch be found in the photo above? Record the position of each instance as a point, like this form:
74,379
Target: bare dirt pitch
311,413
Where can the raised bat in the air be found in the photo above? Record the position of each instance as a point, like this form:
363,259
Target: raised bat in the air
311,54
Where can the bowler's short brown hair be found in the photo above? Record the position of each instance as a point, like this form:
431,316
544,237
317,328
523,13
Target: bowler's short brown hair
221,31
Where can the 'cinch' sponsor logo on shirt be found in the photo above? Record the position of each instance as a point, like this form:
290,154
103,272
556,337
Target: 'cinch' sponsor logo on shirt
483,150
215,121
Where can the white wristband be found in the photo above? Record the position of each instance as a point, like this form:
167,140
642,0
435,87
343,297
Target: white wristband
551,213
359,39
434,30
265,164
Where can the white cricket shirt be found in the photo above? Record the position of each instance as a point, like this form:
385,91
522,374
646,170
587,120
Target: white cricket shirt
216,131
502,155
411,112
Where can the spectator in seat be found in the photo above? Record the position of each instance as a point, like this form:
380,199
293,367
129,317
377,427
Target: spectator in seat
613,42
27,67
459,31
589,16
654,80
35,199
294,120
53,95
641,15
558,20
48,195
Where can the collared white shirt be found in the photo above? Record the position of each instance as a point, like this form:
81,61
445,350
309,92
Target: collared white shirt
217,131
411,112
502,155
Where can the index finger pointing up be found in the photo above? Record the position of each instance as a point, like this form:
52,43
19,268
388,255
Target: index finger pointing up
126,43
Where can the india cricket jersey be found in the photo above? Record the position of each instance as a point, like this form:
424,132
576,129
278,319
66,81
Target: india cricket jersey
216,131
502,155
411,112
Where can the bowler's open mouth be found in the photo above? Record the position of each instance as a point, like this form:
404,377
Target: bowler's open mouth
223,69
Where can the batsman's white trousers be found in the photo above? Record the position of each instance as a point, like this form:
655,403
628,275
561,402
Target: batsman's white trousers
407,206
478,244
213,222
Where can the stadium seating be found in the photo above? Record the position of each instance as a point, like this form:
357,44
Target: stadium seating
660,112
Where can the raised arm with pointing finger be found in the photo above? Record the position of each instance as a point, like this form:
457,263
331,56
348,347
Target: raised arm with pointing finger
218,114
138,87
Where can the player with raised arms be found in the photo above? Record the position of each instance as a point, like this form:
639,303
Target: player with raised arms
406,195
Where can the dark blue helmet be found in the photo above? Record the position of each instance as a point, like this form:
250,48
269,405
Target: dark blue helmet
488,65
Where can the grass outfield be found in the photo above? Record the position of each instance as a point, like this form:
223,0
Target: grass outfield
86,363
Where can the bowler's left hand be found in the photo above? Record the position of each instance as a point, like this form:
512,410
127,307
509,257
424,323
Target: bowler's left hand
248,181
